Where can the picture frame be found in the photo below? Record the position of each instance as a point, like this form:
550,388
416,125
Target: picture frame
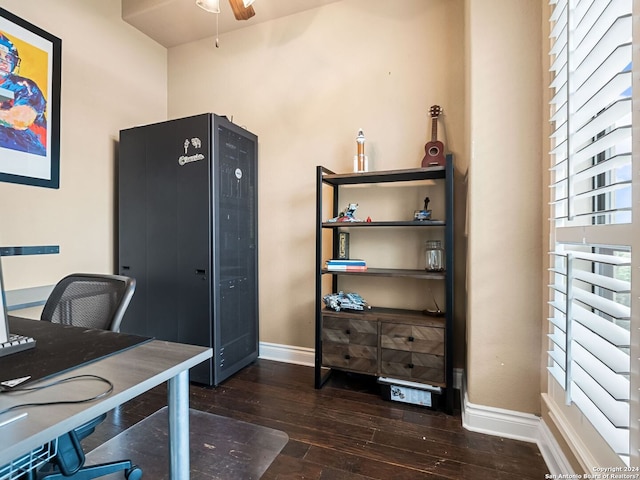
30,79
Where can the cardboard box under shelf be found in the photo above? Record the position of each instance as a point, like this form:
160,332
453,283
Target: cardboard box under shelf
413,393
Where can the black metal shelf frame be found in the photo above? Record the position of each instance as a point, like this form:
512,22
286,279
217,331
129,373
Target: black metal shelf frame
324,176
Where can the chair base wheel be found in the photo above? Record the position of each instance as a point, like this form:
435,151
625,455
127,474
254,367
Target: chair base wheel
134,473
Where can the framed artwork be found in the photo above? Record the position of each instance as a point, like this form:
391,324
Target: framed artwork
29,103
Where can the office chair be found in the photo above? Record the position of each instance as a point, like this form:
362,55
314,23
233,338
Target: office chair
91,301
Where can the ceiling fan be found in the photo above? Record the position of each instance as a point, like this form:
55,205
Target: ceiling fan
242,9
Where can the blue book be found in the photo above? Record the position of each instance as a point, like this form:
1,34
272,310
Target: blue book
346,261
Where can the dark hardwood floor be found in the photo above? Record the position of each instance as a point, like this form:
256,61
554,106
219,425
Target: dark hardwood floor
345,430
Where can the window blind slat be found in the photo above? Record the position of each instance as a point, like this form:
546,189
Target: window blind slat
599,258
603,190
558,287
560,95
616,412
560,78
561,58
606,166
596,75
610,216
581,8
560,169
559,339
616,386
610,307
605,281
595,40
611,332
561,307
560,6
558,270
561,24
559,358
617,438
604,97
609,354
559,150
617,112
615,138
558,322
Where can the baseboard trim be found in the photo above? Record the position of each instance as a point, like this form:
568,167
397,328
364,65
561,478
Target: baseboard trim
287,353
497,421
517,426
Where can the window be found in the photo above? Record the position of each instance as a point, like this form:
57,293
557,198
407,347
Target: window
591,213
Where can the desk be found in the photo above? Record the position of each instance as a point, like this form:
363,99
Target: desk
132,372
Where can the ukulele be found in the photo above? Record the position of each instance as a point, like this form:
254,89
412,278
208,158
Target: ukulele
434,150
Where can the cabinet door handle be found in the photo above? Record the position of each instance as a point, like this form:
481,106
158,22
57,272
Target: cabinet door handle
347,357
410,365
411,339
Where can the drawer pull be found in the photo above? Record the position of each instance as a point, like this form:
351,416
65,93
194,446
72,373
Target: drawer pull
411,339
347,331
347,357
410,365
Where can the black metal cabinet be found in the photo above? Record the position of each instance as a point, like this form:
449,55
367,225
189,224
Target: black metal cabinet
187,233
434,365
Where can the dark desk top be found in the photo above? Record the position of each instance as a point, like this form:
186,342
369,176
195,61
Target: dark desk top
60,348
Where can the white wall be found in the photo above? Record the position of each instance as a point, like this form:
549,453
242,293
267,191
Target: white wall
112,77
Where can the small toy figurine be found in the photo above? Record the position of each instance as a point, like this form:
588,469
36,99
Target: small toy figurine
360,161
345,301
423,214
347,215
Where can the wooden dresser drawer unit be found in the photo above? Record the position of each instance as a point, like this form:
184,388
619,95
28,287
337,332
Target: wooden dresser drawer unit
350,343
412,352
358,358
380,343
412,338
420,367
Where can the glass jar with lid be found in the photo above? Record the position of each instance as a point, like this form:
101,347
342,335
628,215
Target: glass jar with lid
434,256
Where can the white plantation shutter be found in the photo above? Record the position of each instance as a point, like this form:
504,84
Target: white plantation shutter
591,212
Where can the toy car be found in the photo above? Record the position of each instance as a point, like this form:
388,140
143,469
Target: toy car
347,215
345,301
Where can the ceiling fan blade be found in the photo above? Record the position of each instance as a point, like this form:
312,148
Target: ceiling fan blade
240,12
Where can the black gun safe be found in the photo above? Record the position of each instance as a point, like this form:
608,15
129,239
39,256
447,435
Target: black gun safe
188,234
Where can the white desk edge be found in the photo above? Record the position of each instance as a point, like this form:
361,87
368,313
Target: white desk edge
133,372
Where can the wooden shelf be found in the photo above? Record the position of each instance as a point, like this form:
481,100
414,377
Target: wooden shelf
406,175
391,272
384,313
410,223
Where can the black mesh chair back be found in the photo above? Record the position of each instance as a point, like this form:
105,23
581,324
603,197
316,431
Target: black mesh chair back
89,300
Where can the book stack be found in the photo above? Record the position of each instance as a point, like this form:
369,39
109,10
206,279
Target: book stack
346,265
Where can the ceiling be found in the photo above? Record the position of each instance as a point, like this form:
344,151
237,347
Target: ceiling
173,22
